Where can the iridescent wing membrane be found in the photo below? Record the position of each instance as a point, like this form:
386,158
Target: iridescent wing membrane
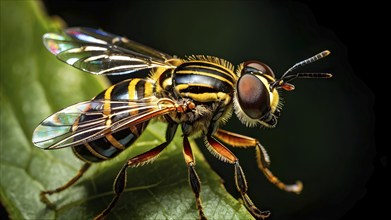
88,121
99,52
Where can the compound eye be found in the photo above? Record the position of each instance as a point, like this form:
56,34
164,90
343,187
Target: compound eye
253,96
255,67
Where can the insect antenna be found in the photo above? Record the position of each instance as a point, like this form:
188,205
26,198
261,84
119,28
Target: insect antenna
285,78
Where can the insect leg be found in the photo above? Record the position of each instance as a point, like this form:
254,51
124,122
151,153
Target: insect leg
225,155
72,181
263,161
120,181
193,177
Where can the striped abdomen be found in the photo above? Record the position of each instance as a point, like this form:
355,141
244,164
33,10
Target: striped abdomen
111,145
204,80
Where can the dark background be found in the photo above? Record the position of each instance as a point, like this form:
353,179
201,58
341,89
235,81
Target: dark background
318,118
354,25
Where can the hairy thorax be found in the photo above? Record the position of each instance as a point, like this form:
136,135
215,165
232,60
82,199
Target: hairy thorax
202,119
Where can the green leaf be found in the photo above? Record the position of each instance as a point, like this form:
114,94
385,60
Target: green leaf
35,84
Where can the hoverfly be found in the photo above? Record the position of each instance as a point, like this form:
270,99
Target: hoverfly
198,93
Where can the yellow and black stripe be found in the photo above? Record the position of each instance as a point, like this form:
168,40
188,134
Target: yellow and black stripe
112,144
204,81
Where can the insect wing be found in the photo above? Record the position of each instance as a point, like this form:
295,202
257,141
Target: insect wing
99,36
88,121
99,52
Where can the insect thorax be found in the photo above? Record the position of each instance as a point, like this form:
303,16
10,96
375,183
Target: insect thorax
207,81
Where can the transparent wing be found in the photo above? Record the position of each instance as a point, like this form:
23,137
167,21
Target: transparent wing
99,52
91,120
